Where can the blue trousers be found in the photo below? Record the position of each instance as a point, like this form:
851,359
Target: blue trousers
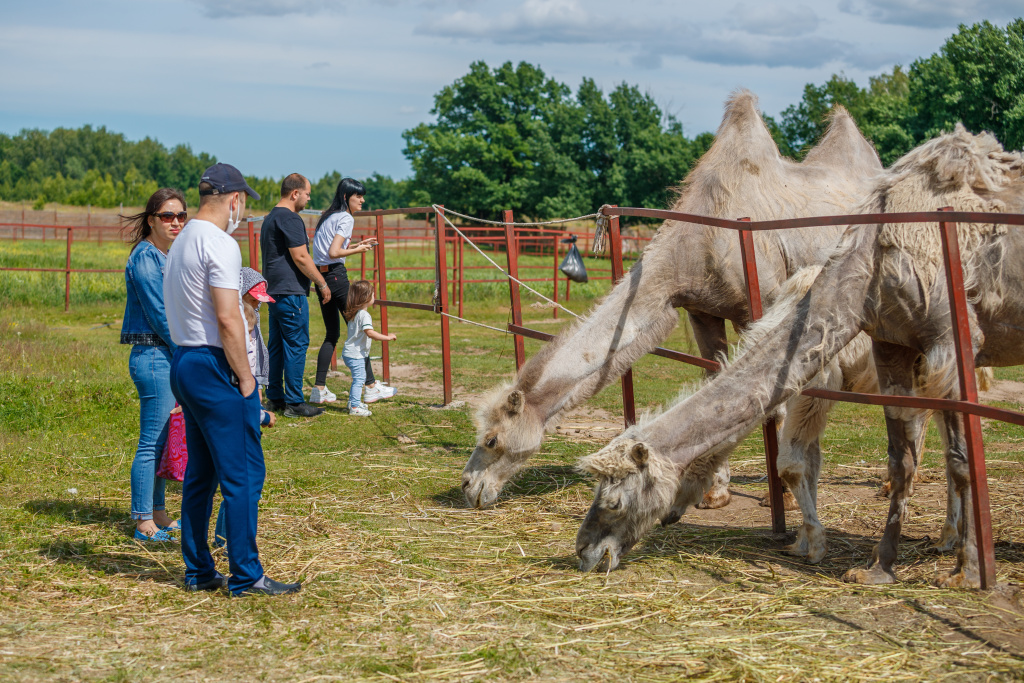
289,341
357,366
150,368
222,430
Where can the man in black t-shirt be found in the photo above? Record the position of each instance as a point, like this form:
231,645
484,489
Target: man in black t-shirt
289,268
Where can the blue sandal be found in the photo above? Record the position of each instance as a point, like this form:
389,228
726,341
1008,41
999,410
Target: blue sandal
160,536
173,526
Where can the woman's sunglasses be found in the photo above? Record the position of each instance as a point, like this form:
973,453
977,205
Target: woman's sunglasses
169,216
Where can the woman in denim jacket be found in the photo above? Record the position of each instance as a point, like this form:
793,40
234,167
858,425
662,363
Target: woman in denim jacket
145,327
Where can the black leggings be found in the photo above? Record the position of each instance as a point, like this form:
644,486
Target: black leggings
333,314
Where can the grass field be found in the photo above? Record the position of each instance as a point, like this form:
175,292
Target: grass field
401,582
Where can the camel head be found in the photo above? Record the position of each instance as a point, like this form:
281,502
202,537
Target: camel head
636,487
509,431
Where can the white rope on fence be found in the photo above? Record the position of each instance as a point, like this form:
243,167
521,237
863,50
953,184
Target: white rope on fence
518,225
491,261
471,322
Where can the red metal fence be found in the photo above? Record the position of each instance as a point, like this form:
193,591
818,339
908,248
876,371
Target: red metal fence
968,403
513,239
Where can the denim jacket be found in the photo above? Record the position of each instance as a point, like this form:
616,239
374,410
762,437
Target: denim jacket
145,321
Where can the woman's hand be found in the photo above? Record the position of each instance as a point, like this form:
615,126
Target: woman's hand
366,245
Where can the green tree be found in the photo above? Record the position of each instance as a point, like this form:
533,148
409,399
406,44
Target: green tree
976,78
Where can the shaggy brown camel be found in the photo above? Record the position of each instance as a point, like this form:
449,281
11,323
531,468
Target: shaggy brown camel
694,267
887,281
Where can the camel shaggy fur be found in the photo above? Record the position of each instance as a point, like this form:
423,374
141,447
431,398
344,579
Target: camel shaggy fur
689,266
888,282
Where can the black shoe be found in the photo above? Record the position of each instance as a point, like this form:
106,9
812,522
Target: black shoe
274,406
301,410
215,584
271,587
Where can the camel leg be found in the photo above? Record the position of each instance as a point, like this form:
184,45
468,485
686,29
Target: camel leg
903,425
709,332
965,574
800,463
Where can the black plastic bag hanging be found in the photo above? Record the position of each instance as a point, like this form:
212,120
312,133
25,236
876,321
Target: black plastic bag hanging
572,265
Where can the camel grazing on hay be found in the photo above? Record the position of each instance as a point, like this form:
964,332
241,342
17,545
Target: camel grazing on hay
885,280
694,267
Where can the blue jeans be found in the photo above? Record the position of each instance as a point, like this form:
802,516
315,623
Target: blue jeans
150,368
289,340
357,366
222,429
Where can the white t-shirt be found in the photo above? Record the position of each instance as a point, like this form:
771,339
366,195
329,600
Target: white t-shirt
358,344
201,257
340,223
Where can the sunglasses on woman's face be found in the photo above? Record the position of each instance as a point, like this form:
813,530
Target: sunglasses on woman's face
169,216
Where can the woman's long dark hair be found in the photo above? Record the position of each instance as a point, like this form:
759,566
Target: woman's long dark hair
136,227
346,188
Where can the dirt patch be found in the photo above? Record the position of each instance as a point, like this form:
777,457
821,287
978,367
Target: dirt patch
1006,390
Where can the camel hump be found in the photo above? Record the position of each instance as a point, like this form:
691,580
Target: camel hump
844,146
743,132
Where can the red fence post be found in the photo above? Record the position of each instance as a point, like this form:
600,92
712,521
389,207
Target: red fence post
512,252
769,429
253,255
382,280
554,277
442,291
67,273
462,274
615,240
969,392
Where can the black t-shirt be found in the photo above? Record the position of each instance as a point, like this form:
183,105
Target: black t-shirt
282,230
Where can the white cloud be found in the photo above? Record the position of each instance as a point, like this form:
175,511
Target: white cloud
266,8
933,13
774,19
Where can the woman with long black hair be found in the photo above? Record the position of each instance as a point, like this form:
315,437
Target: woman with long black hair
331,245
150,233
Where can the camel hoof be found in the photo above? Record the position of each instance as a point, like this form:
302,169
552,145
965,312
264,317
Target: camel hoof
873,576
959,579
816,555
948,540
789,503
714,499
798,549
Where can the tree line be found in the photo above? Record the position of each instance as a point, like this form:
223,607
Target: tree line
513,138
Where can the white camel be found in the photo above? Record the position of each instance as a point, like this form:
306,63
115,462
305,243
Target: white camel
694,267
885,280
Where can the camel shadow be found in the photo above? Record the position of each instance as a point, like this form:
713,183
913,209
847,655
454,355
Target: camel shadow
532,481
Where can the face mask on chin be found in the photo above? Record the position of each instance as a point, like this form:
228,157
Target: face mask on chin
234,221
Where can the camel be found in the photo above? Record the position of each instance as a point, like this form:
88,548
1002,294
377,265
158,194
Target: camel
885,280
694,267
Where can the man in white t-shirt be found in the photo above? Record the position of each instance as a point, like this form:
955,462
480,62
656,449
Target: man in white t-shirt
211,379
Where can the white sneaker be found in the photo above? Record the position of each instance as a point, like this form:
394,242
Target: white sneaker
322,396
378,392
360,411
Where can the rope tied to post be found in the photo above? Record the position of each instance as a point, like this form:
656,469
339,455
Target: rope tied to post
601,231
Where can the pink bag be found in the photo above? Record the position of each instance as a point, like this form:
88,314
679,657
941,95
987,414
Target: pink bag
175,456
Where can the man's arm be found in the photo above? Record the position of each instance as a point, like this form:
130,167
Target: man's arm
304,262
231,326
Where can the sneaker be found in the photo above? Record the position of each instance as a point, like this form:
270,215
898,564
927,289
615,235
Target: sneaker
301,410
378,392
360,411
274,406
324,395
218,582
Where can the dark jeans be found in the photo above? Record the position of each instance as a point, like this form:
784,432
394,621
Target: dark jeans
335,323
222,429
289,340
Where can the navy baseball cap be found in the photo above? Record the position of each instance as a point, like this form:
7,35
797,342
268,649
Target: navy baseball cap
226,178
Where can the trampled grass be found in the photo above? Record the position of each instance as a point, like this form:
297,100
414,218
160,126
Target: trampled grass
401,582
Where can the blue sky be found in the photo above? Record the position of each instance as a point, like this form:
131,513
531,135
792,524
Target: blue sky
275,86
